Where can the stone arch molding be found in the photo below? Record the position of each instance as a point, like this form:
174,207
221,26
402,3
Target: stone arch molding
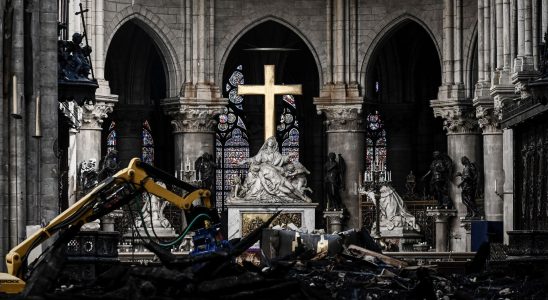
234,39
383,30
160,33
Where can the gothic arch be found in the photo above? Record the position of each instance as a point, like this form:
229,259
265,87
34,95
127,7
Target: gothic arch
470,61
239,35
160,33
382,31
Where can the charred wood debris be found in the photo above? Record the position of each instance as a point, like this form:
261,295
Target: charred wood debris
355,271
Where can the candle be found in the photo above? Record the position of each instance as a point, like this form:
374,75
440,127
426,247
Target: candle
38,119
187,163
15,100
496,190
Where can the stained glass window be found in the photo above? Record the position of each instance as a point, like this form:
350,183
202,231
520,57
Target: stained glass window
288,128
147,154
111,138
375,141
231,141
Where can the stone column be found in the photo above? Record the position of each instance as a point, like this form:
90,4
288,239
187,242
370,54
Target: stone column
493,174
193,128
346,135
442,219
462,140
88,139
508,188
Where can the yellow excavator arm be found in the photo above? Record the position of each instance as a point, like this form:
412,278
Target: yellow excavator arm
107,196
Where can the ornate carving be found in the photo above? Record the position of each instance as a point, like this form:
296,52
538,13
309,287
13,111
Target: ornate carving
457,118
94,114
342,117
72,112
195,118
488,121
251,221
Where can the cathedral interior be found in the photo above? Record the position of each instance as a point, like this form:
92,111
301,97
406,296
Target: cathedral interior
219,142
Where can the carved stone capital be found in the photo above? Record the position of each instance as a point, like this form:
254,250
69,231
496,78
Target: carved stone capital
199,118
457,117
196,109
487,119
342,117
93,114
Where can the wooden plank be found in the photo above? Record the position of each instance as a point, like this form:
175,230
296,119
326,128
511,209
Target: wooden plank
361,252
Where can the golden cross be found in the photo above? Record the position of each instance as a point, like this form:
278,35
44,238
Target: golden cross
269,90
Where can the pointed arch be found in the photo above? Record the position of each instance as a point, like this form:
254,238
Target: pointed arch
250,26
471,61
384,31
159,32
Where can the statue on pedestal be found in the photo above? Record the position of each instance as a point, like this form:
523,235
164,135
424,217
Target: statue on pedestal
153,212
272,178
469,184
441,170
334,181
394,214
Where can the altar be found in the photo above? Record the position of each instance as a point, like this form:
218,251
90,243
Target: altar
244,217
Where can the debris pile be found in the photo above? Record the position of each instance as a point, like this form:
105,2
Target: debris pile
353,273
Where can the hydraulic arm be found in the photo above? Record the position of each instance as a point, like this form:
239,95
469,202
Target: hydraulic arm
107,196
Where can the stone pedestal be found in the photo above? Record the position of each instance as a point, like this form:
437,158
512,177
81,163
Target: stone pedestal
403,238
244,217
466,224
333,219
442,216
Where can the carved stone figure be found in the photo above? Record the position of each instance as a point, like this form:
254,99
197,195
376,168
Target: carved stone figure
153,212
271,178
468,185
333,182
394,214
73,59
205,170
88,175
441,170
109,165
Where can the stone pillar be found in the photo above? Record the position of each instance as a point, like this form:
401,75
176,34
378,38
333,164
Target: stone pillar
493,174
442,219
88,140
508,188
193,128
344,124
462,140
333,219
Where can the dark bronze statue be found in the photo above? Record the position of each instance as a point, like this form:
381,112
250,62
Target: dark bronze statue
441,170
73,59
468,185
334,172
205,170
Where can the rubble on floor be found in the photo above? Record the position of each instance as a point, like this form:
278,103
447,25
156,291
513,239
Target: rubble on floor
353,273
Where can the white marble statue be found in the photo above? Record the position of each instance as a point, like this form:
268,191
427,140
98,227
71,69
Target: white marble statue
153,212
272,177
393,211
